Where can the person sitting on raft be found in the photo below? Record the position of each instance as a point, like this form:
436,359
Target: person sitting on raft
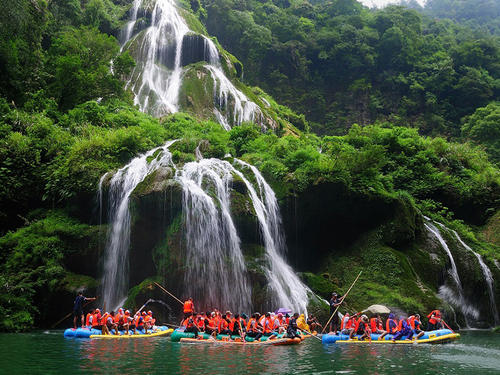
435,321
149,321
108,321
190,326
391,325
313,323
291,331
404,330
416,325
361,328
235,326
349,324
253,329
224,324
268,327
376,326
128,322
210,324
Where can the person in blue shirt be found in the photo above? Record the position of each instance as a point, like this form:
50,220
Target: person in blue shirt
78,308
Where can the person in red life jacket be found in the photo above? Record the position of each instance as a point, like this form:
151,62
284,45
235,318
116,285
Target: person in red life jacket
405,330
350,324
191,326
78,308
235,326
188,308
362,328
201,321
102,324
118,319
391,325
253,329
435,320
377,327
139,321
224,325
416,326
268,327
343,323
149,321
96,320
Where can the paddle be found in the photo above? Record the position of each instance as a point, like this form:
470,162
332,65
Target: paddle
447,326
170,294
71,313
309,332
343,298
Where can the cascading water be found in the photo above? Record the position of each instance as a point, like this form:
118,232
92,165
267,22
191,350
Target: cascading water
122,184
287,288
157,77
215,269
488,277
445,292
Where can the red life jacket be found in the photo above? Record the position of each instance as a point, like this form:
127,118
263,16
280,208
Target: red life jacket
118,319
188,307
201,323
268,325
411,322
138,322
232,322
223,325
350,323
375,325
96,318
432,319
251,326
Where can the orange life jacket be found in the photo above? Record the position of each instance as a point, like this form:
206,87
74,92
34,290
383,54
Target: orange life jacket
223,325
104,318
268,325
87,319
137,322
252,325
117,318
350,323
387,326
232,322
375,325
287,320
211,323
96,319
201,323
188,307
411,322
432,319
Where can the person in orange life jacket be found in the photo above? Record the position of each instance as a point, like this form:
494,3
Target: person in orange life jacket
191,326
376,326
343,324
435,321
253,329
224,324
109,322
96,320
235,326
291,331
350,324
139,321
243,322
188,308
127,322
78,308
280,323
416,325
335,301
391,325
201,321
405,330
89,317
118,319
268,327
148,321
361,328
210,324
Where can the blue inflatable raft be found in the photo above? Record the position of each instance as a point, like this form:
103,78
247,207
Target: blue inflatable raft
88,332
439,336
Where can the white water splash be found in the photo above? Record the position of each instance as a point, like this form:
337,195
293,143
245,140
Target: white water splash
124,181
488,277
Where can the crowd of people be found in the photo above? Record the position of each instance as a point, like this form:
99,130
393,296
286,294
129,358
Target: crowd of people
256,326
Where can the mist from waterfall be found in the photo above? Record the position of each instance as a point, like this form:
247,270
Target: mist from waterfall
122,184
158,75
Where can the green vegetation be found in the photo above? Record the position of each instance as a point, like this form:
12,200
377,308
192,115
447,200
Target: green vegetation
382,101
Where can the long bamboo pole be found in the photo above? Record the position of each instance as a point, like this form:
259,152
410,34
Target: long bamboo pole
170,294
343,298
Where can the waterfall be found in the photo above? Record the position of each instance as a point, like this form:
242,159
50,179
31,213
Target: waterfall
445,292
216,272
286,286
124,181
215,269
488,277
157,78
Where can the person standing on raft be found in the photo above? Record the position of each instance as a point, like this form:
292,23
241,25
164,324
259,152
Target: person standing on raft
78,308
188,308
335,301
435,320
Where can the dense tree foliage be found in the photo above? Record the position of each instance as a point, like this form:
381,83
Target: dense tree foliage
340,63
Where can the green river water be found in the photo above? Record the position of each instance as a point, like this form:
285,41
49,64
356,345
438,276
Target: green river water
477,352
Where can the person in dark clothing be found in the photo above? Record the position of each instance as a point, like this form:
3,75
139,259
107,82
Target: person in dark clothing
335,301
78,308
291,330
